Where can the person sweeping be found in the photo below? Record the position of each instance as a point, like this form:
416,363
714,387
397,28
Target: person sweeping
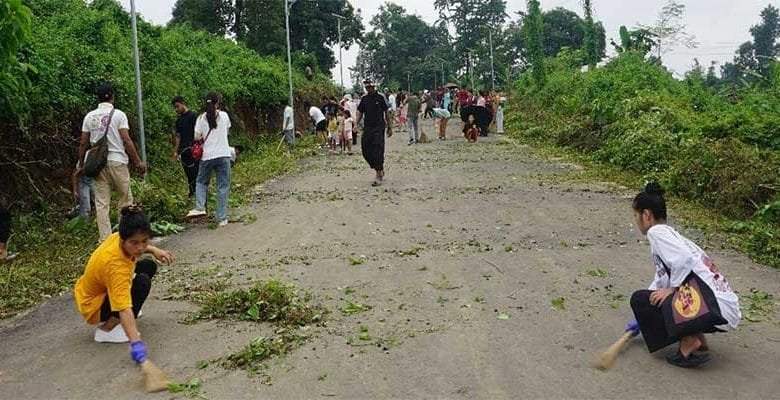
689,295
116,283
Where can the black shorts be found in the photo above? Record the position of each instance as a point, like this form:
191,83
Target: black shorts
322,126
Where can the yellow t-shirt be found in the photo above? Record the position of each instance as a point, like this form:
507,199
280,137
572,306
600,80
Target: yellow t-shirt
333,126
109,272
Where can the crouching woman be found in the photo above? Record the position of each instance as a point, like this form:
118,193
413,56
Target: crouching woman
116,283
689,295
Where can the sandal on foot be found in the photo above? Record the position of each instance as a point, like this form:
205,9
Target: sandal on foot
693,360
376,183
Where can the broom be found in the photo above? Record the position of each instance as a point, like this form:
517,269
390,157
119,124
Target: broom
608,357
155,380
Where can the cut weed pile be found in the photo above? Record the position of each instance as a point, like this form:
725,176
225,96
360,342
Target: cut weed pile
253,357
270,301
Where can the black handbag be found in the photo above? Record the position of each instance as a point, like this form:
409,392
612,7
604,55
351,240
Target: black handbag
97,157
692,309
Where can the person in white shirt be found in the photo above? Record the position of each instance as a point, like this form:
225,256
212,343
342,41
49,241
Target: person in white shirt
352,105
675,259
320,124
288,126
391,102
212,128
115,176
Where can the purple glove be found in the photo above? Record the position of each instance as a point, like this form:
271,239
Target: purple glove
138,351
633,326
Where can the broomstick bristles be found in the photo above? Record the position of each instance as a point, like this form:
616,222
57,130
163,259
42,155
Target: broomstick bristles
155,380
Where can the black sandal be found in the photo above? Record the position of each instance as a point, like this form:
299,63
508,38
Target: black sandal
693,360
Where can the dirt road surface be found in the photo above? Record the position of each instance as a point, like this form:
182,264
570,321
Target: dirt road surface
464,250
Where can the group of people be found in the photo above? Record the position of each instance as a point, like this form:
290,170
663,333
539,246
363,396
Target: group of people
334,123
117,278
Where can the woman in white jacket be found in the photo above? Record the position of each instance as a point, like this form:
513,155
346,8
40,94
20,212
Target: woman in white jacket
212,128
675,258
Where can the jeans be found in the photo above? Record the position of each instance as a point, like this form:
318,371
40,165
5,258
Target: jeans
139,289
85,196
222,168
412,123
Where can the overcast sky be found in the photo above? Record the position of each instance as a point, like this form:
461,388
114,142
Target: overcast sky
720,26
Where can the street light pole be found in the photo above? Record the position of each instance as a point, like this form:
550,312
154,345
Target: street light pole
492,69
287,5
138,94
341,64
409,81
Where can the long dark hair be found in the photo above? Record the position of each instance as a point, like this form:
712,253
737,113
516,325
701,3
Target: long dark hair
210,104
651,198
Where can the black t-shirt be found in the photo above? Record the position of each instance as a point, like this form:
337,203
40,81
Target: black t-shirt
373,107
185,128
330,108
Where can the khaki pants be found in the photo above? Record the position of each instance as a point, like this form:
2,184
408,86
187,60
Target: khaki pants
115,176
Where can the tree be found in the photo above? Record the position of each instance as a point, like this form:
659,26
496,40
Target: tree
754,58
637,40
533,26
564,28
590,43
15,29
669,31
400,45
260,24
473,22
214,16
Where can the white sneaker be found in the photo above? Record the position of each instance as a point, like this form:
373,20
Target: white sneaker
196,213
117,335
222,223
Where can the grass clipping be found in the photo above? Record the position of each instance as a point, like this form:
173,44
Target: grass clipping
269,301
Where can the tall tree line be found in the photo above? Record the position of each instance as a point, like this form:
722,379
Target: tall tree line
259,24
402,50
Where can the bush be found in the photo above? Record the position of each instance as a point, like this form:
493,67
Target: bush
720,151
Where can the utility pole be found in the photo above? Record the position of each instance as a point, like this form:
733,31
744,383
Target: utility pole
341,64
409,81
287,5
492,69
138,91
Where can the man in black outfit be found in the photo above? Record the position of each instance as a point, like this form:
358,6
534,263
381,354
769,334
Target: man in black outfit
183,137
378,122
5,233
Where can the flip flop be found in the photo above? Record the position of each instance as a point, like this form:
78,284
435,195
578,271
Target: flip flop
693,360
9,257
376,183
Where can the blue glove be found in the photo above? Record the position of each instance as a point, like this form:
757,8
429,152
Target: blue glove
633,326
138,351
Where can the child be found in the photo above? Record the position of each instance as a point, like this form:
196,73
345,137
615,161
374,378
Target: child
346,132
333,128
471,129
402,114
500,115
340,131
675,257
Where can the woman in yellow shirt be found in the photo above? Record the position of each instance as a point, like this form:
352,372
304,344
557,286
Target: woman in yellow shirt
108,291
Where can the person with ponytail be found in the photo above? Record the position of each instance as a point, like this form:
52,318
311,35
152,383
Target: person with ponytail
212,128
117,281
677,262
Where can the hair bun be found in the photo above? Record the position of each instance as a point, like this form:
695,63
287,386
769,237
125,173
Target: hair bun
654,188
131,209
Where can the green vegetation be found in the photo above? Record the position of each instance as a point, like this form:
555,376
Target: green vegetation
270,301
254,356
75,47
720,150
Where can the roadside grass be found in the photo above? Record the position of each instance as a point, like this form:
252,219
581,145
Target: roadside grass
53,250
756,239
